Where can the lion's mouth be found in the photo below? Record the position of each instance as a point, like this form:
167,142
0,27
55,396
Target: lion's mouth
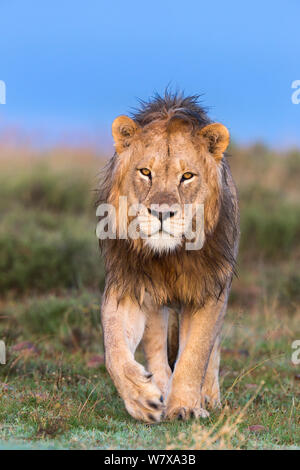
161,231
166,229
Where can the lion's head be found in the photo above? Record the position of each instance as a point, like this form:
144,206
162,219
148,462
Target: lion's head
167,156
162,167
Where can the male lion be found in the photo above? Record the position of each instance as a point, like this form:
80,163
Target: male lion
169,153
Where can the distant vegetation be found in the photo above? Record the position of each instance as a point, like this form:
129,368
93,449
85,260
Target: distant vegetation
47,232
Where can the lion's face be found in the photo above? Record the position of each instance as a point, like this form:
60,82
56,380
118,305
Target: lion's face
165,176
166,173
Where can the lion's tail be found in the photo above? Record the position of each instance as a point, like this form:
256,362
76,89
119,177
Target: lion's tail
173,337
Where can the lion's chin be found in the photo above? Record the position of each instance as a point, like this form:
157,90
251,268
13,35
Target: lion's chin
163,243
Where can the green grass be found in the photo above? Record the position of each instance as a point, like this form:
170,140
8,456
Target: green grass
54,389
55,394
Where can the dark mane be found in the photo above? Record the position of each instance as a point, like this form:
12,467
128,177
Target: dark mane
172,105
180,276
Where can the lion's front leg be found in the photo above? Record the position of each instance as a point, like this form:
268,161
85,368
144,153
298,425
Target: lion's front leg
155,346
199,332
123,327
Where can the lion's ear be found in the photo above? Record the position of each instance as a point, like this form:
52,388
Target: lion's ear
216,137
123,130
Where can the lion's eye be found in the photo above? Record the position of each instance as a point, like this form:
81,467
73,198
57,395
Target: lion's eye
145,172
187,176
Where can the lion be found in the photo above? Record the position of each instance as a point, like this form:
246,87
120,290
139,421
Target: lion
157,292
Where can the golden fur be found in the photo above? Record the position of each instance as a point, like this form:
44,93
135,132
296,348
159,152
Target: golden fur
145,281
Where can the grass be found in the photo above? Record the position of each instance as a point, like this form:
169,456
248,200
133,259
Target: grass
54,389
56,392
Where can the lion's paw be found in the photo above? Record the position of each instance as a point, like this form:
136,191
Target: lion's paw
143,399
185,413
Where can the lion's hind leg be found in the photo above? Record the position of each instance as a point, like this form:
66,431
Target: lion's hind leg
211,389
155,346
173,337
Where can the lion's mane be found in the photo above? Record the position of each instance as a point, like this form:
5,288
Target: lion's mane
188,277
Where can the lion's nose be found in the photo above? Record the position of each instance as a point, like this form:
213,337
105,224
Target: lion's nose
162,215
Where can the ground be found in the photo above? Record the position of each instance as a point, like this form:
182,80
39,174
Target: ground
54,389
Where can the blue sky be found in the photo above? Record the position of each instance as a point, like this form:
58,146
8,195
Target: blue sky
72,66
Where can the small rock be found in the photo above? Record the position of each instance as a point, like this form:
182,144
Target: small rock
256,428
